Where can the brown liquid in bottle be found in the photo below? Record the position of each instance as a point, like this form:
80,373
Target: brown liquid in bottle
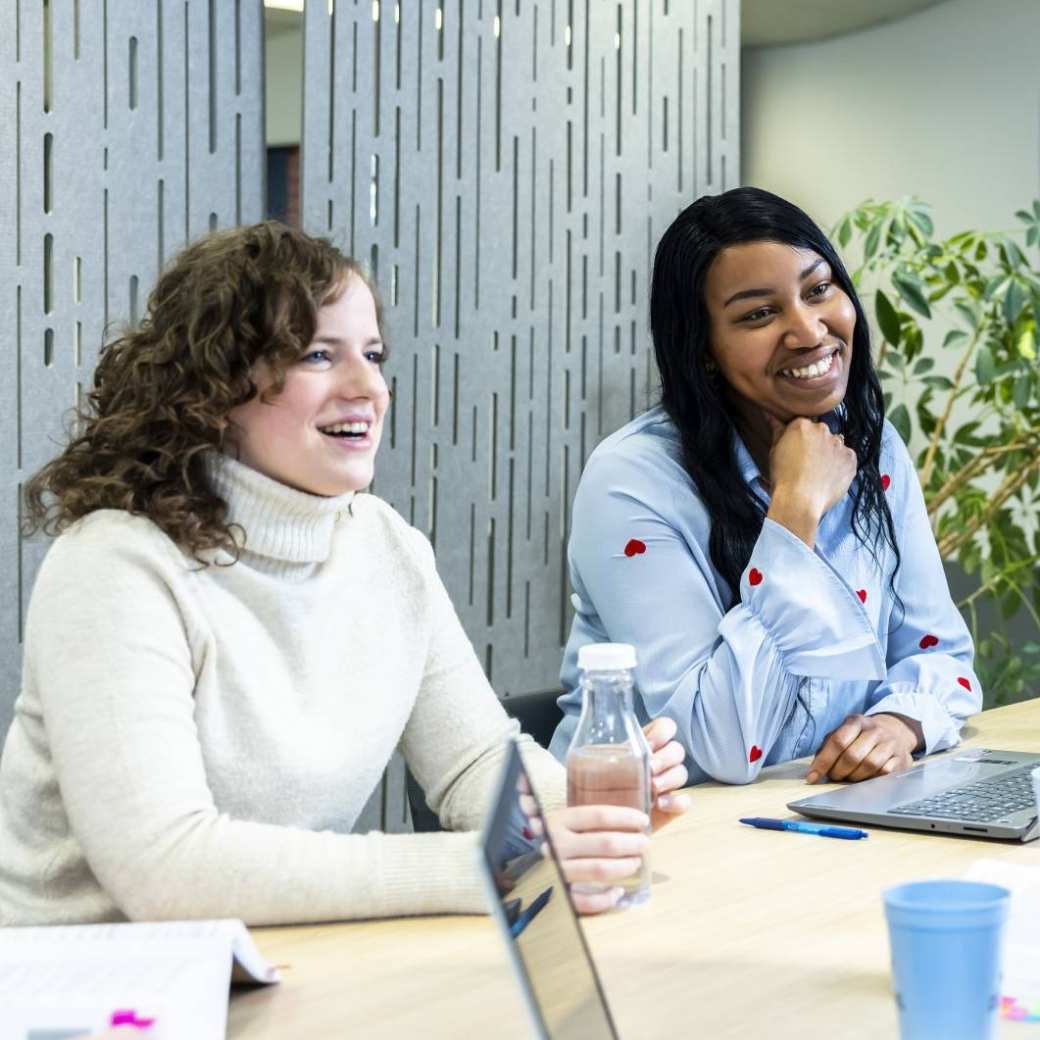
607,774
610,774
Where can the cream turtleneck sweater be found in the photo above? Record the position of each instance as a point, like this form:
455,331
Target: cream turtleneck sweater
198,742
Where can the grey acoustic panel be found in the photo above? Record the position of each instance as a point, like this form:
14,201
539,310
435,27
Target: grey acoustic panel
126,128
505,168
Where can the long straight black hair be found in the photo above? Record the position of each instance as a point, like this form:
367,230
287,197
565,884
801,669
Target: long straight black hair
698,402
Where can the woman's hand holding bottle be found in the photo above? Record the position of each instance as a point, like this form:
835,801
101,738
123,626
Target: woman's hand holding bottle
605,843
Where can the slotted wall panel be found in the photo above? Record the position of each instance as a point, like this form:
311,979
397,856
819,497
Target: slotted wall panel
505,168
127,128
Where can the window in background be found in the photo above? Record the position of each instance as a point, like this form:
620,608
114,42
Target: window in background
283,184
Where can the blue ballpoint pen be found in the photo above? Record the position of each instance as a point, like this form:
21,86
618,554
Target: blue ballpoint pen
850,833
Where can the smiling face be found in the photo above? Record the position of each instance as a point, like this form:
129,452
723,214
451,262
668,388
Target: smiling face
321,433
781,330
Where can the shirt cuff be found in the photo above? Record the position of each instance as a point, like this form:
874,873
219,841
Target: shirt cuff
940,729
814,618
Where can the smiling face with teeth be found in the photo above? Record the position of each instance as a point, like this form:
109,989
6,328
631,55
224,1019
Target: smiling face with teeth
781,330
321,432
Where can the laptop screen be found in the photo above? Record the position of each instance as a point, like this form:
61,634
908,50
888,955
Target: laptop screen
533,908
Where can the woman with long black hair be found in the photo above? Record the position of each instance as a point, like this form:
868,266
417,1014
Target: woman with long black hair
761,536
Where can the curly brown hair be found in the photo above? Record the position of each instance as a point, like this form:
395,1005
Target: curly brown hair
162,391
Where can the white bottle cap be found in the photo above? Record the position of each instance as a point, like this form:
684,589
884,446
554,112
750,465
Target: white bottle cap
606,657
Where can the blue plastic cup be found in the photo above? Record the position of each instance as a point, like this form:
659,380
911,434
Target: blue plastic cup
946,949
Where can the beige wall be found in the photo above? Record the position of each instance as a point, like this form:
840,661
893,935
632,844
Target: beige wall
283,55
943,104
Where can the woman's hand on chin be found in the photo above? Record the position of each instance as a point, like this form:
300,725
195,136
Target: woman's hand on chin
810,470
667,772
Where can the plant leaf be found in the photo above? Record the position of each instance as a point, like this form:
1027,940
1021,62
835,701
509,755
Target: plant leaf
910,288
1014,301
923,365
1026,345
985,368
870,243
918,214
968,312
887,318
899,417
953,337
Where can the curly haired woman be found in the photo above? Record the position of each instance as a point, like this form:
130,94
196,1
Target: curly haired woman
226,643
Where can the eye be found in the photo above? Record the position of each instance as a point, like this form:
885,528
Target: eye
315,357
759,314
821,289
377,357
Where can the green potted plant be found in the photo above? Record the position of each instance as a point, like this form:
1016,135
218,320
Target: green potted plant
968,406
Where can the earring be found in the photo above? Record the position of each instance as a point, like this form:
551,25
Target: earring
711,368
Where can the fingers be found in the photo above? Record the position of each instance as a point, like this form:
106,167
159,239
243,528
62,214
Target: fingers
605,845
668,807
596,902
603,818
603,871
670,780
672,804
864,756
528,806
660,732
886,758
860,748
671,755
833,748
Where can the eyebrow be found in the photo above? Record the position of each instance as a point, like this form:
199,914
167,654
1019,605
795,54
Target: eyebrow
745,294
335,341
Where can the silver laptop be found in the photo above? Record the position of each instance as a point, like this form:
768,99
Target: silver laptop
973,791
531,904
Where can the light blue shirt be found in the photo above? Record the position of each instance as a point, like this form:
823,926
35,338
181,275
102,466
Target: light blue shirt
817,635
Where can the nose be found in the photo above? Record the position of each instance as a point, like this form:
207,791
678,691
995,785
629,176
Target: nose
360,378
804,328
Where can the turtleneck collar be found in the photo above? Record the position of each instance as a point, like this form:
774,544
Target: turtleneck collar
280,523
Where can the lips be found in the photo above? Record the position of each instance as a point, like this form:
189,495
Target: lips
816,368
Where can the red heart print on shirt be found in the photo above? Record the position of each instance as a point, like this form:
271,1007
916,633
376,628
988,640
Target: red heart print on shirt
964,682
862,593
755,753
885,481
754,578
927,641
634,547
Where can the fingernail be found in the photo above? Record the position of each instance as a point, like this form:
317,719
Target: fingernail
664,801
617,893
528,833
812,777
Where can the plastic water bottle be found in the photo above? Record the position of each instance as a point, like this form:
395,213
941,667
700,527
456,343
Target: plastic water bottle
608,761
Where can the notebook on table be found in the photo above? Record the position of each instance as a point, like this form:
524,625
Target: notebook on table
70,980
532,907
976,792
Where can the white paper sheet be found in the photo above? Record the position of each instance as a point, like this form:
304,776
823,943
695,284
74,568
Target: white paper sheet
55,980
1021,982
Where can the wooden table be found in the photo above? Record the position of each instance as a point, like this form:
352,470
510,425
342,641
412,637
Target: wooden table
747,932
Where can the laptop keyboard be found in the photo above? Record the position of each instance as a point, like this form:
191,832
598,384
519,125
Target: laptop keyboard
984,801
